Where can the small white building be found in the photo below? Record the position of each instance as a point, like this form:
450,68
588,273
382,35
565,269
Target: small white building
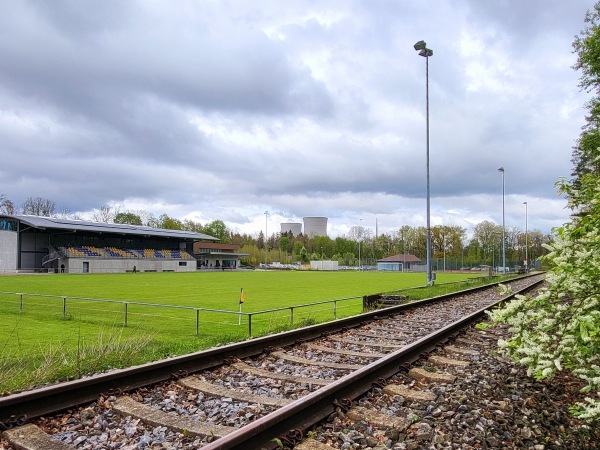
324,265
399,263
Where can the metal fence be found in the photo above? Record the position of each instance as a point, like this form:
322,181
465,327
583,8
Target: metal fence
289,316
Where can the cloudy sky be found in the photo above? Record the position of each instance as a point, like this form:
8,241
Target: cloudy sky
211,109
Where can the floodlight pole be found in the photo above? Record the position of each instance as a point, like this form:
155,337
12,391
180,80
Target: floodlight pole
421,47
359,237
526,255
501,169
266,238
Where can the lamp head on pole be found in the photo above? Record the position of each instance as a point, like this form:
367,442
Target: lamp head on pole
421,47
501,169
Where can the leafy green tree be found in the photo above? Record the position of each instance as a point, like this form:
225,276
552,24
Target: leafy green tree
298,250
128,218
284,242
218,229
559,328
190,225
169,223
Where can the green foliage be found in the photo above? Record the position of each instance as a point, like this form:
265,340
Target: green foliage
217,229
169,223
128,218
56,362
559,328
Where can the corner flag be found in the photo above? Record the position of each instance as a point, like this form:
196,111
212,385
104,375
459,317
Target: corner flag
241,303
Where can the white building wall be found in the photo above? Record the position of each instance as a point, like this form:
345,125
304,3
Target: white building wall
102,265
324,265
8,251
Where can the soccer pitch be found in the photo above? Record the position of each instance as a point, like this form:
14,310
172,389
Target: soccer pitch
64,322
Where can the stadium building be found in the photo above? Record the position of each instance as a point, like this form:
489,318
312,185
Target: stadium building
49,244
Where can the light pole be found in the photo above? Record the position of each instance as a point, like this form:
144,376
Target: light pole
421,47
266,238
444,254
360,235
501,169
526,255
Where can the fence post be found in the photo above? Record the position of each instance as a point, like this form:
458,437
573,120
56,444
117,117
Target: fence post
291,316
64,308
250,325
20,303
197,321
334,310
125,323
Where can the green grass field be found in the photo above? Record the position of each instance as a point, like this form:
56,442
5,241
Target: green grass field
47,342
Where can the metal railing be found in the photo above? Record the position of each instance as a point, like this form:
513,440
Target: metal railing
250,317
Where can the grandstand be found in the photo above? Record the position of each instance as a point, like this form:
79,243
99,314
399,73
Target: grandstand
48,244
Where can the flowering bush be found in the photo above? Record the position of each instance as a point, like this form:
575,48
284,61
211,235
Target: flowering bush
559,328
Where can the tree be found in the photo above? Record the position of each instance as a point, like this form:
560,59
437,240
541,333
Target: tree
217,229
104,215
488,235
559,328
38,206
6,206
195,227
128,218
169,223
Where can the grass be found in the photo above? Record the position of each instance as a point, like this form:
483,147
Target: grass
45,343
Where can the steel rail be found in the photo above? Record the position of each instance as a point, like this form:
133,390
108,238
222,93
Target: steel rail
19,407
309,410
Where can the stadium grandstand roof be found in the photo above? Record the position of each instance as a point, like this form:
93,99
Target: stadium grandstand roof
54,223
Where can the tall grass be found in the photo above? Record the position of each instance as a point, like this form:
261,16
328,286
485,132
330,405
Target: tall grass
54,362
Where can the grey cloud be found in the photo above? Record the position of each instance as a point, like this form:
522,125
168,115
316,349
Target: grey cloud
326,115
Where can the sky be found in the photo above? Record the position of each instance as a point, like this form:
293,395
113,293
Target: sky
223,110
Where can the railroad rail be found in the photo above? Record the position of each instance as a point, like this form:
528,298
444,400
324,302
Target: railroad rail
355,352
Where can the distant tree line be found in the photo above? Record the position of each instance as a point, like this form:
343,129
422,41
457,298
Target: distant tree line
449,244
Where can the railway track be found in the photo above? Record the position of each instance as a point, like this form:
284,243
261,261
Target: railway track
261,393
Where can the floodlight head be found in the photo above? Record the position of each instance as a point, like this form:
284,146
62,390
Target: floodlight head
420,45
426,52
501,169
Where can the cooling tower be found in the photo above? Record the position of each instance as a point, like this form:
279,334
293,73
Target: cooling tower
295,228
315,226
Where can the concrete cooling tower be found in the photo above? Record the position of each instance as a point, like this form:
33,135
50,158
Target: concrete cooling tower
315,226
294,227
